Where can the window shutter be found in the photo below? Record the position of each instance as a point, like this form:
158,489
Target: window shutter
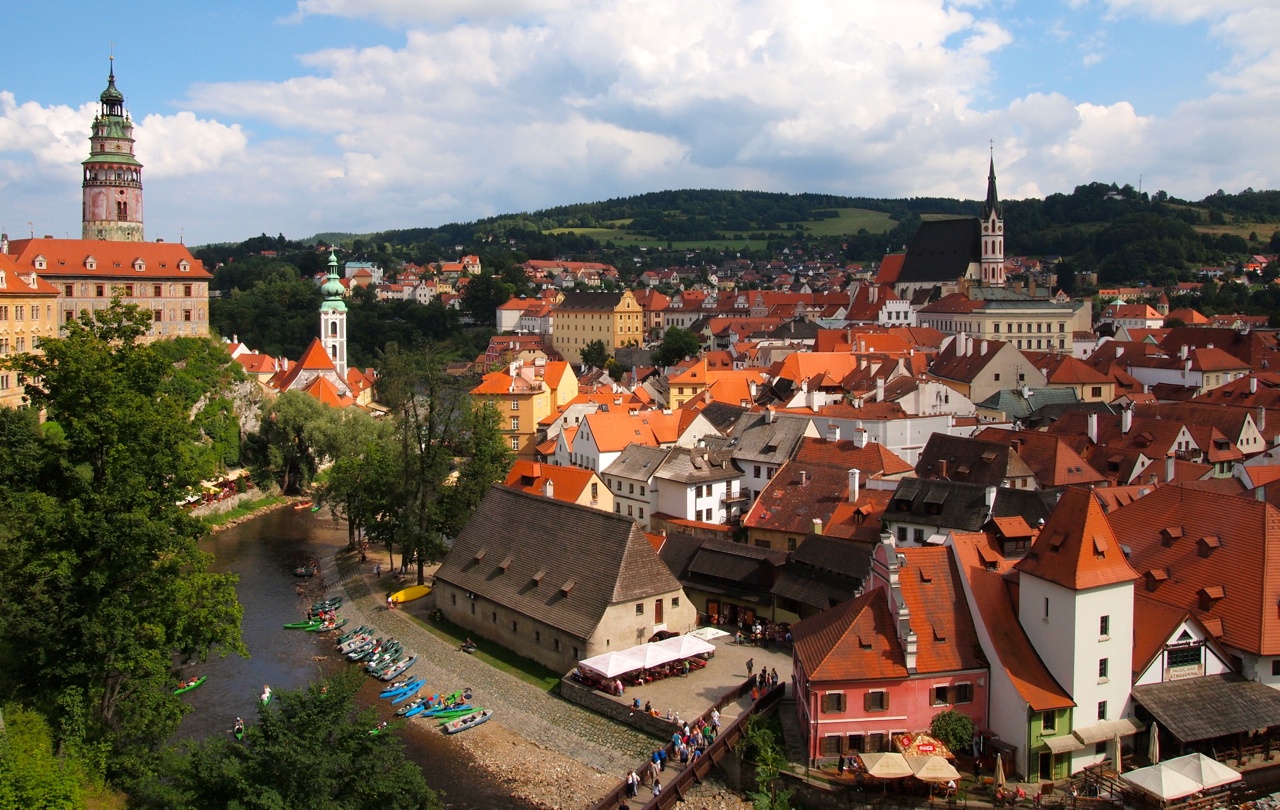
866,701
885,699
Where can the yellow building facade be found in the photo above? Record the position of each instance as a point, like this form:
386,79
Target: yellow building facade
524,394
28,315
615,319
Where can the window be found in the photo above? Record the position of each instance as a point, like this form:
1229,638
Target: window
186,315
21,344
1102,710
833,703
99,290
515,627
675,601
1102,669
1046,608
493,617
641,515
515,404
557,645
453,599
515,442
791,544
1275,667
4,313
1096,391
575,653
940,696
962,693
617,507
631,489
877,701
68,290
1190,657
4,382
18,312
917,535
639,608
537,636
473,608
996,377
831,745
157,290
642,490
1104,627
595,491
629,507
876,742
1048,721
768,473
515,423
757,470
902,535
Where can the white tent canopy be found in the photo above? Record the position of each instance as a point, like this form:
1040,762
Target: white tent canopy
886,766
1207,771
932,769
647,656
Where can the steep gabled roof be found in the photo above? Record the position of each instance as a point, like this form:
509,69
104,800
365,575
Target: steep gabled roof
1076,548
941,251
854,640
590,560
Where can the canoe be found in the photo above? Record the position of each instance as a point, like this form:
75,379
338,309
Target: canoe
396,688
300,505
405,694
409,594
445,709
410,706
325,628
453,714
332,603
399,668
189,687
350,634
266,696
305,625
470,721
239,732
305,571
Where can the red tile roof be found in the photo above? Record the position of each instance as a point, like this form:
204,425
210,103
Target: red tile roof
67,257
1076,548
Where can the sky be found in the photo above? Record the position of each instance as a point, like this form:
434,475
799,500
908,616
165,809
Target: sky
309,116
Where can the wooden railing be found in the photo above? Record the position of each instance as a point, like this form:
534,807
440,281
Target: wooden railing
692,773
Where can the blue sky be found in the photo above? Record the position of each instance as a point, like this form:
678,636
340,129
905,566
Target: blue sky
303,116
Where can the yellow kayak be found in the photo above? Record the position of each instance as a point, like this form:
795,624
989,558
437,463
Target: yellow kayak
409,594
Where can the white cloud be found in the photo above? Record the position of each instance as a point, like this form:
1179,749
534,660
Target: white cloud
181,144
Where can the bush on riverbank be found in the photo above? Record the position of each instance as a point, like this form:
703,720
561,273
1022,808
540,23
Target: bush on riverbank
242,510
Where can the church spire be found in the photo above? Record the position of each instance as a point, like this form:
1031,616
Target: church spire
993,200
333,318
992,260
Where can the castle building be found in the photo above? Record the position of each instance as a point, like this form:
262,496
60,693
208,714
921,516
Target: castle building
112,259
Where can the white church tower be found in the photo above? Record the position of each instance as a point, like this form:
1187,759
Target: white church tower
333,319
992,260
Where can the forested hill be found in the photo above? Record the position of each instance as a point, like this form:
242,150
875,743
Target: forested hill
1123,234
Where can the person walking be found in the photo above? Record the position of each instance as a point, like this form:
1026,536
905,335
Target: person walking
377,570
751,665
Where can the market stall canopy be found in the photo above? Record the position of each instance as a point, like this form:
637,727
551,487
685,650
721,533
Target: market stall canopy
1162,783
932,769
885,766
685,646
1207,771
708,633
920,744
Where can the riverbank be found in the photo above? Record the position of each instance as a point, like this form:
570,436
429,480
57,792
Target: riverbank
245,510
545,751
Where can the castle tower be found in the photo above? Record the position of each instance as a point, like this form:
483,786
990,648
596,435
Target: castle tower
333,319
992,234
112,175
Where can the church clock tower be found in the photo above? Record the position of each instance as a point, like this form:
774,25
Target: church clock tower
112,175
333,319
992,233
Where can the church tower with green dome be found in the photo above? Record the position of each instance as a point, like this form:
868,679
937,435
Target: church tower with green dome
333,319
112,175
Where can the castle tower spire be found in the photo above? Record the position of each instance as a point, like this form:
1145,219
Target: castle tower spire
112,187
333,319
992,231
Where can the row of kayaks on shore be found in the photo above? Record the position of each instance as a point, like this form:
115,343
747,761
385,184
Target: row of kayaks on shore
454,712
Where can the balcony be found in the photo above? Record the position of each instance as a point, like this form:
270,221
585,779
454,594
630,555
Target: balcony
735,497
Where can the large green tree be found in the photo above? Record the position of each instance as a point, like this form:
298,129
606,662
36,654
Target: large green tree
32,776
101,583
677,344
309,749
595,354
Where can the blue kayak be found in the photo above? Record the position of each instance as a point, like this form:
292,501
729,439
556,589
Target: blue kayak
446,709
407,693
393,690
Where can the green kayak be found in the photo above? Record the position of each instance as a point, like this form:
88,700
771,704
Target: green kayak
308,625
189,685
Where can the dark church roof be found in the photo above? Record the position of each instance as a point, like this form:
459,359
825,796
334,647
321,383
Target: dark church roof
942,251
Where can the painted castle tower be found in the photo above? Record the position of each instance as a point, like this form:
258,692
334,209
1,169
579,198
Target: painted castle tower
333,319
112,175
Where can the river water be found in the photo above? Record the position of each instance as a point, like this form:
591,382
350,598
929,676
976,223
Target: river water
264,552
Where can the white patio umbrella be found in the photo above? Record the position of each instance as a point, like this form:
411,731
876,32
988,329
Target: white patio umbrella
1117,759
932,769
886,766
999,783
1153,748
1205,770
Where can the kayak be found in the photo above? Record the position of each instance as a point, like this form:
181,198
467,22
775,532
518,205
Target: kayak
399,668
446,709
239,732
266,695
398,687
300,505
305,571
451,714
332,603
469,721
305,625
404,710
350,634
411,593
190,686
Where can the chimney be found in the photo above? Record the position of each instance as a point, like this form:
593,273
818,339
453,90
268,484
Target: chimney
833,432
804,477
982,348
855,479
1126,420
959,344
942,469
909,651
1260,493
751,386
768,415
1119,351
817,525
860,437
879,389
1182,352
549,489
1261,421
4,243
1170,468
991,500
1253,381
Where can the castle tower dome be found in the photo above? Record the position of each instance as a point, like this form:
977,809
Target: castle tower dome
992,260
112,186
333,318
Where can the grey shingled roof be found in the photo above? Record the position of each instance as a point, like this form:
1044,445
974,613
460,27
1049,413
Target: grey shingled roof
971,460
698,465
637,461
603,556
1211,706
942,250
956,505
1018,406
755,440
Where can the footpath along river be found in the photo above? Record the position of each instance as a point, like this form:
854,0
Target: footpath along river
264,552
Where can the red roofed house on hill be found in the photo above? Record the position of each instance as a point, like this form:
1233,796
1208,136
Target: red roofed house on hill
28,305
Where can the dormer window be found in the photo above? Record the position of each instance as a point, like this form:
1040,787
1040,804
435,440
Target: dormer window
139,265
90,263
40,263
184,266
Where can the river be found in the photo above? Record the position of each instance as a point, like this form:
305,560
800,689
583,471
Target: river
264,552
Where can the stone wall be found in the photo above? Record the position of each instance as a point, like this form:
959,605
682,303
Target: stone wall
598,702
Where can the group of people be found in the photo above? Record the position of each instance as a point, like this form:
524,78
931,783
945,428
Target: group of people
762,681
760,634
689,742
